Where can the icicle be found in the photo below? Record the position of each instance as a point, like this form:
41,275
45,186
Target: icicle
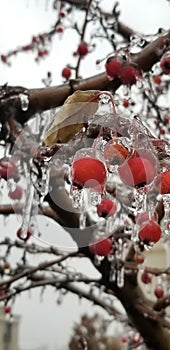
113,271
166,203
29,196
120,276
98,259
120,264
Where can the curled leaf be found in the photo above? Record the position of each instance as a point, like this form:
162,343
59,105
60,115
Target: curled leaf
69,120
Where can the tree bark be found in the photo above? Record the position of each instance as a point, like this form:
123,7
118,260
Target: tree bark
47,98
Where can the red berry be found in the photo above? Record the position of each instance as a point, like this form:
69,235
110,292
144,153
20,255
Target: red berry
35,39
66,73
124,339
42,53
16,194
126,103
166,121
146,278
129,75
41,37
82,49
113,66
4,58
136,171
150,232
27,47
88,172
60,29
8,169
159,292
114,153
136,339
106,208
162,182
165,63
158,142
62,14
28,235
2,293
102,247
7,310
139,258
6,265
157,79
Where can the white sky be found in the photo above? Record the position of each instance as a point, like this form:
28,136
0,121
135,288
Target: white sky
46,323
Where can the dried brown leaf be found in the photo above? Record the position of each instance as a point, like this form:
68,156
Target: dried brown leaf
69,120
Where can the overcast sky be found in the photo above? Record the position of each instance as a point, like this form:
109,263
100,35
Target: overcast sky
45,322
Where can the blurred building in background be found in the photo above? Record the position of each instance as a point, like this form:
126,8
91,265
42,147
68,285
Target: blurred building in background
9,331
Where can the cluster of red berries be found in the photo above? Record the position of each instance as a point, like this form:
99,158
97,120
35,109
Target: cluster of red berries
9,170
82,51
117,67
158,291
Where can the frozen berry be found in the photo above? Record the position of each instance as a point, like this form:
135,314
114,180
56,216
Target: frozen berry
59,29
66,73
139,258
158,291
113,66
6,265
20,235
115,153
16,194
62,14
88,172
124,339
82,49
150,232
4,58
137,171
7,310
157,79
129,75
165,63
102,247
146,278
125,103
162,182
106,208
8,169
